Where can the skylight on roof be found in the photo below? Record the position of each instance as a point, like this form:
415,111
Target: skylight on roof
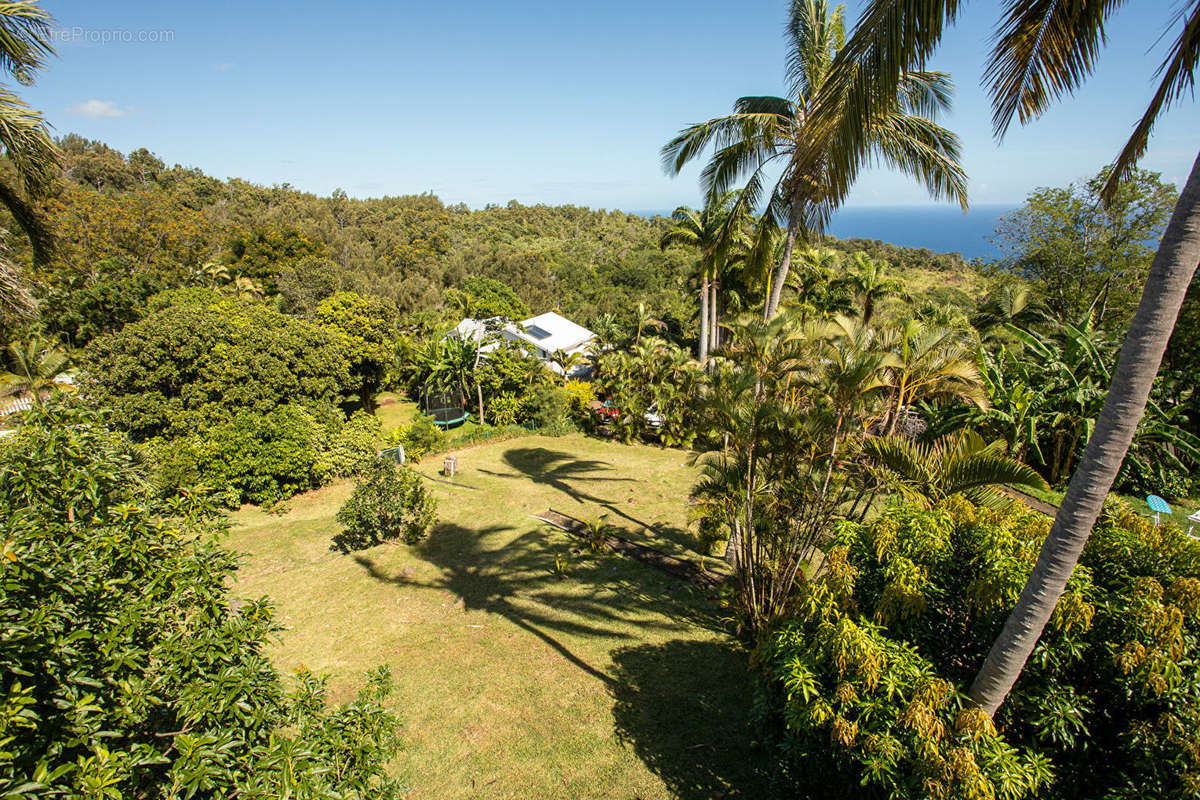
537,333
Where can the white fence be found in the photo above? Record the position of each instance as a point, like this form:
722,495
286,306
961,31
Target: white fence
13,406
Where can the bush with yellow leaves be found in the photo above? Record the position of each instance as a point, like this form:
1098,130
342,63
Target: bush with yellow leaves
866,683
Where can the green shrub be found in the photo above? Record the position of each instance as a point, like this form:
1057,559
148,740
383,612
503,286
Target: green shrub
252,458
422,437
129,668
579,395
505,409
867,680
389,502
352,448
548,410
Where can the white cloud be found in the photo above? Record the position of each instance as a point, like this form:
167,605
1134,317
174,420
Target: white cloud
97,109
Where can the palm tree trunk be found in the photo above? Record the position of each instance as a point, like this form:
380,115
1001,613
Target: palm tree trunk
785,263
703,317
1166,285
714,327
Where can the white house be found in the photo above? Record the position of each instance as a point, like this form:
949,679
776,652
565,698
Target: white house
544,334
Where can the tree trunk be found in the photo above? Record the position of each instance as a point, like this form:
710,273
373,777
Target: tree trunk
714,320
703,317
475,374
1166,285
785,263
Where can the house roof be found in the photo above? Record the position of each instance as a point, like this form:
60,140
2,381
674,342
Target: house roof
548,332
552,332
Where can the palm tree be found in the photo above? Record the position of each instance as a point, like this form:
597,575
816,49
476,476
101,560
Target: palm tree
959,463
217,273
244,288
818,291
762,131
870,284
451,365
35,364
706,232
1011,304
25,142
1042,51
566,362
930,363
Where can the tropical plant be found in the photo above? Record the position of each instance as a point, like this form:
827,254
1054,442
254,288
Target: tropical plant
784,410
34,365
451,365
929,364
131,668
26,144
959,463
870,284
566,362
1041,52
816,170
867,681
1012,303
642,320
389,502
818,292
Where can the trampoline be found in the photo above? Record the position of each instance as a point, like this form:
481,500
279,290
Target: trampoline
447,409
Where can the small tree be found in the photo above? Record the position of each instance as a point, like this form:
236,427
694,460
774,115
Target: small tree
389,502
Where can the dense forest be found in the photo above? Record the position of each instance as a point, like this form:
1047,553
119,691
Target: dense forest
128,226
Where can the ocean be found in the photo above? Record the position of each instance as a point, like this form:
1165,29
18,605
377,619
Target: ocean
942,228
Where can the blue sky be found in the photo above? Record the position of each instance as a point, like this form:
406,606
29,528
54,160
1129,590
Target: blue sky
538,101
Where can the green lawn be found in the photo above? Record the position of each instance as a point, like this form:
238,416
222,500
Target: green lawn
1180,509
614,682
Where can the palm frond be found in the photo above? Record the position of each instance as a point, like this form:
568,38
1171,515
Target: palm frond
1178,73
1043,50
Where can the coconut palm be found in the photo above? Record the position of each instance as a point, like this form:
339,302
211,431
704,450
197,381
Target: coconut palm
706,232
766,133
870,284
1041,51
25,142
959,463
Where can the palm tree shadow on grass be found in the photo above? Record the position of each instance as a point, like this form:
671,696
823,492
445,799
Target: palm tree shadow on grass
516,581
684,708
558,470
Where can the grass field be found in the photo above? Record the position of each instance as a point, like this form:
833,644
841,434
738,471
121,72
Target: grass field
615,681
